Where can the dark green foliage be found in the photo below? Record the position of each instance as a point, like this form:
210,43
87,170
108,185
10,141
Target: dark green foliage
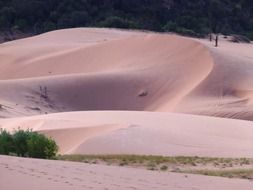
6,142
170,27
39,146
20,142
27,144
195,17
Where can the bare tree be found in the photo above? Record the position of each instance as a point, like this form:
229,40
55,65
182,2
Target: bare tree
216,40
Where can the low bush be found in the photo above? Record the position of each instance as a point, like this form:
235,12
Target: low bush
27,144
6,142
164,168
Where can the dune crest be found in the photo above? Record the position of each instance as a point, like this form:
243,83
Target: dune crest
112,74
131,132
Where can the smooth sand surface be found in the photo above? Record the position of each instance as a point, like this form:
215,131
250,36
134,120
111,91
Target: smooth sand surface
142,133
127,71
107,91
16,173
227,90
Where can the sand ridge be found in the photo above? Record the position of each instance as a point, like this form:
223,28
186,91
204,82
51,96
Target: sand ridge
227,91
110,75
118,132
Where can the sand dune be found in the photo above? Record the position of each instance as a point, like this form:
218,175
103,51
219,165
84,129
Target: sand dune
102,69
112,70
107,91
107,75
131,133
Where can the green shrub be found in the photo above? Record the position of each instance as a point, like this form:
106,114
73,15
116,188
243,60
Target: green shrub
6,142
39,146
27,144
20,142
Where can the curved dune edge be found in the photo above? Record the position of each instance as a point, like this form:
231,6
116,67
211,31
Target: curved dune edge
127,71
143,133
227,91
77,136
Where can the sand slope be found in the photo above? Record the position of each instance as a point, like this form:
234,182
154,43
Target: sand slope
102,69
227,91
127,71
45,175
142,133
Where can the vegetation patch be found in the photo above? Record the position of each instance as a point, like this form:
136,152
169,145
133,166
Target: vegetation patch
235,173
27,144
222,167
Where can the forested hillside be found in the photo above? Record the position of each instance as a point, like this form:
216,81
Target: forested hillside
194,17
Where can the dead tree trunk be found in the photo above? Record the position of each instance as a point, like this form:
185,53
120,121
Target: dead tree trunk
216,40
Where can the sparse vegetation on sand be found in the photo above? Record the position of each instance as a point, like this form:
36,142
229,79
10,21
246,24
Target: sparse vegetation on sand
27,144
232,173
223,167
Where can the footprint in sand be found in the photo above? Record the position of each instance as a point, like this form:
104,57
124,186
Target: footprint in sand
77,179
131,187
44,173
116,185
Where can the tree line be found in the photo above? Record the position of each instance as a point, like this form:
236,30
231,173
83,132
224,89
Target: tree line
195,17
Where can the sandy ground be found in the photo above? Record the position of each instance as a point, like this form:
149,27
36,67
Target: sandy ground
106,91
45,175
142,133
